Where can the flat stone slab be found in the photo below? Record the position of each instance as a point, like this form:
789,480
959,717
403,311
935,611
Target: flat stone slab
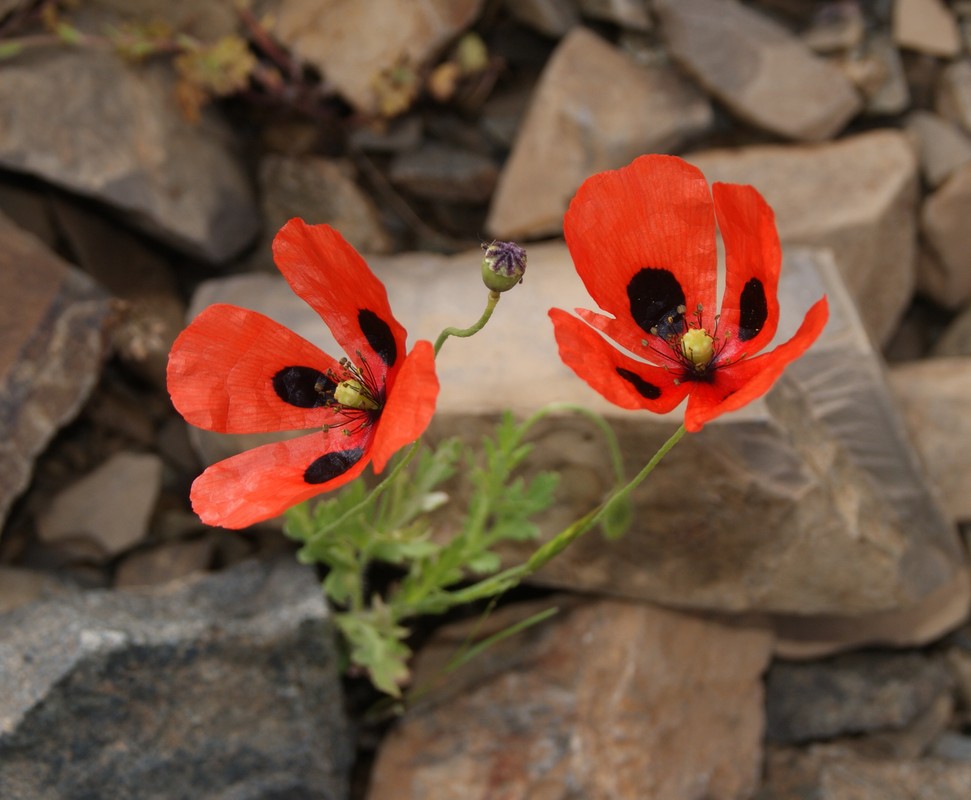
811,502
220,687
53,321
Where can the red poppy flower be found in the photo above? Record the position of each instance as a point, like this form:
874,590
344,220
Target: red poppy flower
643,241
236,371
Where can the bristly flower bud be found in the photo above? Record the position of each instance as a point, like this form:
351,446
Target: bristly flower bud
503,265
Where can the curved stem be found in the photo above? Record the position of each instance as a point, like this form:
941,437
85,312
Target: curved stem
507,579
465,332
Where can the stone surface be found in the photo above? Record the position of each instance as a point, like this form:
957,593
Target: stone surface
594,108
444,172
107,511
943,147
935,396
631,14
130,147
151,311
207,21
927,26
552,18
877,70
813,501
401,34
21,586
946,277
222,687
956,339
605,700
165,562
318,190
851,694
953,96
765,75
856,196
836,27
836,773
54,321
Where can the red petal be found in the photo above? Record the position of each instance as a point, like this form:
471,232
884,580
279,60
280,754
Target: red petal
221,369
264,482
597,362
410,405
330,275
752,257
656,212
740,383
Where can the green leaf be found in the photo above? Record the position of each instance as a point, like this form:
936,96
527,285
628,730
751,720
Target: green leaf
376,645
10,50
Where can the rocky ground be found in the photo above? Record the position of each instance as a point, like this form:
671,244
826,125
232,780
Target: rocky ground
793,625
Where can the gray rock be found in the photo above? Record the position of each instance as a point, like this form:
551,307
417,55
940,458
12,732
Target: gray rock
445,172
606,700
850,694
107,511
21,586
594,108
630,14
856,196
877,70
836,27
927,26
165,562
54,325
952,98
400,34
552,18
946,276
318,190
942,145
130,147
223,687
812,503
762,73
935,396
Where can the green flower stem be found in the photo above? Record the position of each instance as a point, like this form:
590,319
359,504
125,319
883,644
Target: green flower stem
507,579
478,326
613,446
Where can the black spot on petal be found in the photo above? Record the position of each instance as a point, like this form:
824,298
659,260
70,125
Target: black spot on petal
332,465
648,390
378,335
654,296
304,387
753,310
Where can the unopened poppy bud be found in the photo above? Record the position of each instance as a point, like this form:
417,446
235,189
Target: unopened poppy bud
352,394
503,265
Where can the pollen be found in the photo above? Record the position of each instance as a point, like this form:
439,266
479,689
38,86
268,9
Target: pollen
354,394
698,347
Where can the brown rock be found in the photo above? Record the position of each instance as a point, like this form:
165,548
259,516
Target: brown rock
165,562
54,321
946,278
856,196
21,586
607,699
956,339
594,108
942,145
552,18
400,35
762,73
927,26
953,95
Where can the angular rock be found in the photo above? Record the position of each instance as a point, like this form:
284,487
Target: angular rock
956,339
631,14
935,397
813,503
594,108
552,18
165,562
222,687
765,75
878,72
851,694
833,772
130,147
943,147
946,277
927,26
857,196
21,586
445,172
609,699
400,35
152,310
836,28
107,511
54,324
318,190
952,99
